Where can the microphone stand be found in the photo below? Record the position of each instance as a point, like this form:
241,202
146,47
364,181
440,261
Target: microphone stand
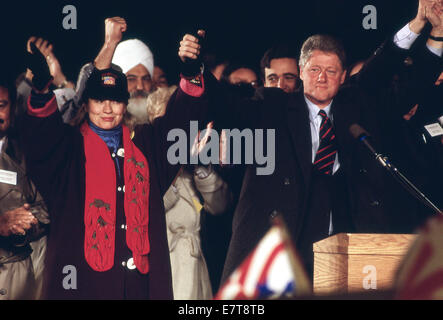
408,185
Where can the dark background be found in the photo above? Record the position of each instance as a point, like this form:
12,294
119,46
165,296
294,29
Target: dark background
243,29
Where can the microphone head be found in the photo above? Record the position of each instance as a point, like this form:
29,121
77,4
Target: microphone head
357,132
2,121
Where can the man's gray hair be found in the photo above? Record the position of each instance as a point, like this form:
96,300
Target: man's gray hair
323,43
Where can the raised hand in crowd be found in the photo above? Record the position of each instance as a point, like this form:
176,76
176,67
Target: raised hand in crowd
36,63
190,46
419,22
189,53
55,69
434,14
114,29
17,221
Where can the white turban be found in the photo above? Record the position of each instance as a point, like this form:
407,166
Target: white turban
131,53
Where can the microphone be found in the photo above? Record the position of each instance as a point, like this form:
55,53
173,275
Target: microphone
360,134
2,121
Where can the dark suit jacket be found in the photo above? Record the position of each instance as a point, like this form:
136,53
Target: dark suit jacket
286,190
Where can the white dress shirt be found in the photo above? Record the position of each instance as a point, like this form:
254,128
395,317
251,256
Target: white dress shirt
406,37
315,122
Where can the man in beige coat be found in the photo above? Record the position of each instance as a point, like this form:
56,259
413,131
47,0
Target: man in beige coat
23,215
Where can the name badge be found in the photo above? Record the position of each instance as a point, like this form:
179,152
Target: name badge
8,177
434,129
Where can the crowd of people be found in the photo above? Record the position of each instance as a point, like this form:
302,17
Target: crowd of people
85,181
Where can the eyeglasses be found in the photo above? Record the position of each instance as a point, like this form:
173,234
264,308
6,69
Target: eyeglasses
253,84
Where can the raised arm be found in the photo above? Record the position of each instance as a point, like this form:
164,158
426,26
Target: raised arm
55,69
388,58
59,79
114,29
188,103
427,60
199,98
225,108
47,142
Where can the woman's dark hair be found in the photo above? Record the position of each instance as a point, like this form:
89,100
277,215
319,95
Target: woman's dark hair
80,117
234,66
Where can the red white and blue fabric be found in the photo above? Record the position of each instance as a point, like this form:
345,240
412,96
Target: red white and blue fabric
420,276
327,150
265,274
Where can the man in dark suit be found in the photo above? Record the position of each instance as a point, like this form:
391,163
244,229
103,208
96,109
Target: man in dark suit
324,181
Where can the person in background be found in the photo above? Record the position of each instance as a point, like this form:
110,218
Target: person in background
64,89
240,78
426,146
160,80
215,63
279,68
23,214
239,73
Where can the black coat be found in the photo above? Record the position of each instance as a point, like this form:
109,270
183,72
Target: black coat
371,208
56,158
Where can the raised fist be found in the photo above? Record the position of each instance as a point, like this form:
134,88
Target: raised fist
114,28
190,47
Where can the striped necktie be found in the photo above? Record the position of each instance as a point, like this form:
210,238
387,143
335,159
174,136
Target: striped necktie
325,156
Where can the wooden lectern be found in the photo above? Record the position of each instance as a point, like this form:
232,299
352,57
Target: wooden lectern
351,262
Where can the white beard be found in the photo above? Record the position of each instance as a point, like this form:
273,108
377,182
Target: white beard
137,107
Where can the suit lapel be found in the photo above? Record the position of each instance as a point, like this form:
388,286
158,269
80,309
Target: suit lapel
343,116
299,128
